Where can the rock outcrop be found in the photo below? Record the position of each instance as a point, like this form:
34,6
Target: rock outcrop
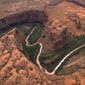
55,37
14,12
62,22
15,68
79,2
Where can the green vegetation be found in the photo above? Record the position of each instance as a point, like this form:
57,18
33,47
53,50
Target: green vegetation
51,59
25,29
72,68
32,51
36,33
67,71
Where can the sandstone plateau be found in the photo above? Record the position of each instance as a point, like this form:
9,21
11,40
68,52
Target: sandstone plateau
61,18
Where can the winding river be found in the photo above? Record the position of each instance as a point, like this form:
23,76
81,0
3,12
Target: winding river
38,56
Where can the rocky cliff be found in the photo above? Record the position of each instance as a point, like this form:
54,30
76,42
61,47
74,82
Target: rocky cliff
59,19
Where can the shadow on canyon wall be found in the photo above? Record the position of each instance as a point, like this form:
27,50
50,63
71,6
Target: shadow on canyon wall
30,16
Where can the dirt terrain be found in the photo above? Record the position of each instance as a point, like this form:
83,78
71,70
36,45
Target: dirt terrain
64,19
15,68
